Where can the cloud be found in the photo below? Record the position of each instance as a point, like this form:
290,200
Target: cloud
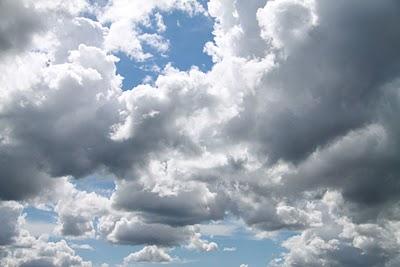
20,248
218,229
316,105
77,210
44,157
201,245
171,208
10,213
340,242
128,24
19,24
284,23
82,246
134,232
123,228
295,127
149,254
40,252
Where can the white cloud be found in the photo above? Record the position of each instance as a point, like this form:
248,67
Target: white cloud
160,23
77,210
20,248
81,246
41,252
149,254
285,23
229,249
202,245
126,17
155,41
340,242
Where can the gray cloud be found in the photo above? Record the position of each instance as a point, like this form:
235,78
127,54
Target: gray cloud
324,86
20,176
328,89
138,233
9,215
189,206
38,263
75,225
18,24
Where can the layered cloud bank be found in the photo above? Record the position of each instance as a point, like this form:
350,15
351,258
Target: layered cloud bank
295,127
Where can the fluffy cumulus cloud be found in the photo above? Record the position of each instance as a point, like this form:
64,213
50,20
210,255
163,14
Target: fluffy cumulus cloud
341,242
19,248
41,252
129,18
77,210
202,245
149,254
294,127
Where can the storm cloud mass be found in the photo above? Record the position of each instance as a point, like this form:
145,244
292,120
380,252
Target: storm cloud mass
294,128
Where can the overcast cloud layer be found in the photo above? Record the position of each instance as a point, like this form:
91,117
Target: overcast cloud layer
295,128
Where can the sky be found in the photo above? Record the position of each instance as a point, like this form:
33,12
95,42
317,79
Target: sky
259,133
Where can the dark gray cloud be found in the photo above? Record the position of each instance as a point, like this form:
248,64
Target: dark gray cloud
20,176
137,233
189,206
326,84
325,111
317,109
41,139
344,137
38,263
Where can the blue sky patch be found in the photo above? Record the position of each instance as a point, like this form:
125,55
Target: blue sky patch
187,36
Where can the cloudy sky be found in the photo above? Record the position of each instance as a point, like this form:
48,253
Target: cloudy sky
257,133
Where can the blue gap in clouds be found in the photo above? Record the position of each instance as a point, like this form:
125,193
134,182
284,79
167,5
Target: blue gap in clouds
133,72
255,253
105,252
101,184
37,215
187,36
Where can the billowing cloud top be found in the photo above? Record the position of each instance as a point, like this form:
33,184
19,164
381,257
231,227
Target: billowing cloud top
294,127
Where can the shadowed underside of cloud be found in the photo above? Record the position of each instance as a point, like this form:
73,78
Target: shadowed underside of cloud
294,127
